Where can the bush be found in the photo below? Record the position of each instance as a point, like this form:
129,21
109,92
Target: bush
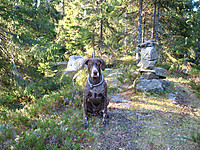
195,135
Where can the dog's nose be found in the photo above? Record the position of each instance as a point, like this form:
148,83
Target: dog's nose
95,72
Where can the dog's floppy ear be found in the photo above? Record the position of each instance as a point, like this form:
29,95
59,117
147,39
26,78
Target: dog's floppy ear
84,62
103,64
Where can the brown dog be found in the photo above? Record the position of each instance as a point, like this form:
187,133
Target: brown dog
95,90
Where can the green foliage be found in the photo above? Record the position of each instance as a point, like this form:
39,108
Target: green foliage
128,74
41,110
47,122
195,135
195,85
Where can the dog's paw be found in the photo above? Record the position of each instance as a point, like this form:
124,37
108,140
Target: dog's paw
85,125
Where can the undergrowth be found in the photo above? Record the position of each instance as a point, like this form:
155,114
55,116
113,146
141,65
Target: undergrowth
47,114
44,121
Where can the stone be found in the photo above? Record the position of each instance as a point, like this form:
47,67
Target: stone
150,75
147,64
149,57
75,63
165,83
161,72
155,73
118,99
172,98
151,85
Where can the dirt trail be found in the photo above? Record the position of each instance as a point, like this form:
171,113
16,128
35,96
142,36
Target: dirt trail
148,121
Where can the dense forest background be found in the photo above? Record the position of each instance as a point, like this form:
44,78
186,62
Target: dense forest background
34,34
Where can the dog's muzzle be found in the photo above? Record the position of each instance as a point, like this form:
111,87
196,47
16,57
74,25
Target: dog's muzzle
94,72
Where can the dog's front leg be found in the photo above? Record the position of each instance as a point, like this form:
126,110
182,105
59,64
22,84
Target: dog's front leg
105,115
85,122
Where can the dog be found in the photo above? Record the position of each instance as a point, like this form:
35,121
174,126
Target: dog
95,91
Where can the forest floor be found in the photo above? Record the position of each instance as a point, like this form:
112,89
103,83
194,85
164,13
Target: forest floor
148,121
137,120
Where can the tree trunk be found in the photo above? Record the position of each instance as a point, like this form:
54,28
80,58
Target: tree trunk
185,55
143,36
101,32
140,23
157,21
139,32
154,21
63,7
93,55
125,41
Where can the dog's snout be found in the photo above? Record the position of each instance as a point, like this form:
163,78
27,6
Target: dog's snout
94,72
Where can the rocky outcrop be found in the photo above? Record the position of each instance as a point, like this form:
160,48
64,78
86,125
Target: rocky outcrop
152,85
75,63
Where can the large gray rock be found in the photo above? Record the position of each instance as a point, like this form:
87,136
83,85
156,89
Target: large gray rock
74,64
155,73
149,57
162,73
151,85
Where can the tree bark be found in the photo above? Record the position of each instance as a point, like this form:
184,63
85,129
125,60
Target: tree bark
144,29
101,32
154,21
125,41
93,55
63,7
139,32
140,23
157,21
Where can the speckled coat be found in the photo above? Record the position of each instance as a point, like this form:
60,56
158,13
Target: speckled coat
95,92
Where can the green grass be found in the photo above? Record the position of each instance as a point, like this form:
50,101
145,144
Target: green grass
45,122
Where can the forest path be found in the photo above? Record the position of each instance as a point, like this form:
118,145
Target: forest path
147,121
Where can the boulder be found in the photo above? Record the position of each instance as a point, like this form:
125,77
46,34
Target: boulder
75,62
150,75
155,73
162,73
149,57
151,85
147,64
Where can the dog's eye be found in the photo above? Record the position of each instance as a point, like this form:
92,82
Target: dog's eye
98,64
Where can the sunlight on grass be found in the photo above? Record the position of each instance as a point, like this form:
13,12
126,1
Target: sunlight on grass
179,80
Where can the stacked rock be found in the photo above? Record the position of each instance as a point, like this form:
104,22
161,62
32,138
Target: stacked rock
149,57
151,80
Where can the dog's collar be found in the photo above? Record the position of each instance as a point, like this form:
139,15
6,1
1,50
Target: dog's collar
95,85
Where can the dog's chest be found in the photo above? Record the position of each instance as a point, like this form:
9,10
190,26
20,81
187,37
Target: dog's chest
96,95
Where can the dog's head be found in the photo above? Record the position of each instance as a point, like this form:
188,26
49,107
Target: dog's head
95,65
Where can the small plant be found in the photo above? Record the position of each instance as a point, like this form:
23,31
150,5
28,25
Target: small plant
128,73
195,135
195,86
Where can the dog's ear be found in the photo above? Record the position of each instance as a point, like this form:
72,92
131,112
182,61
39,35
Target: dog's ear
84,63
103,64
